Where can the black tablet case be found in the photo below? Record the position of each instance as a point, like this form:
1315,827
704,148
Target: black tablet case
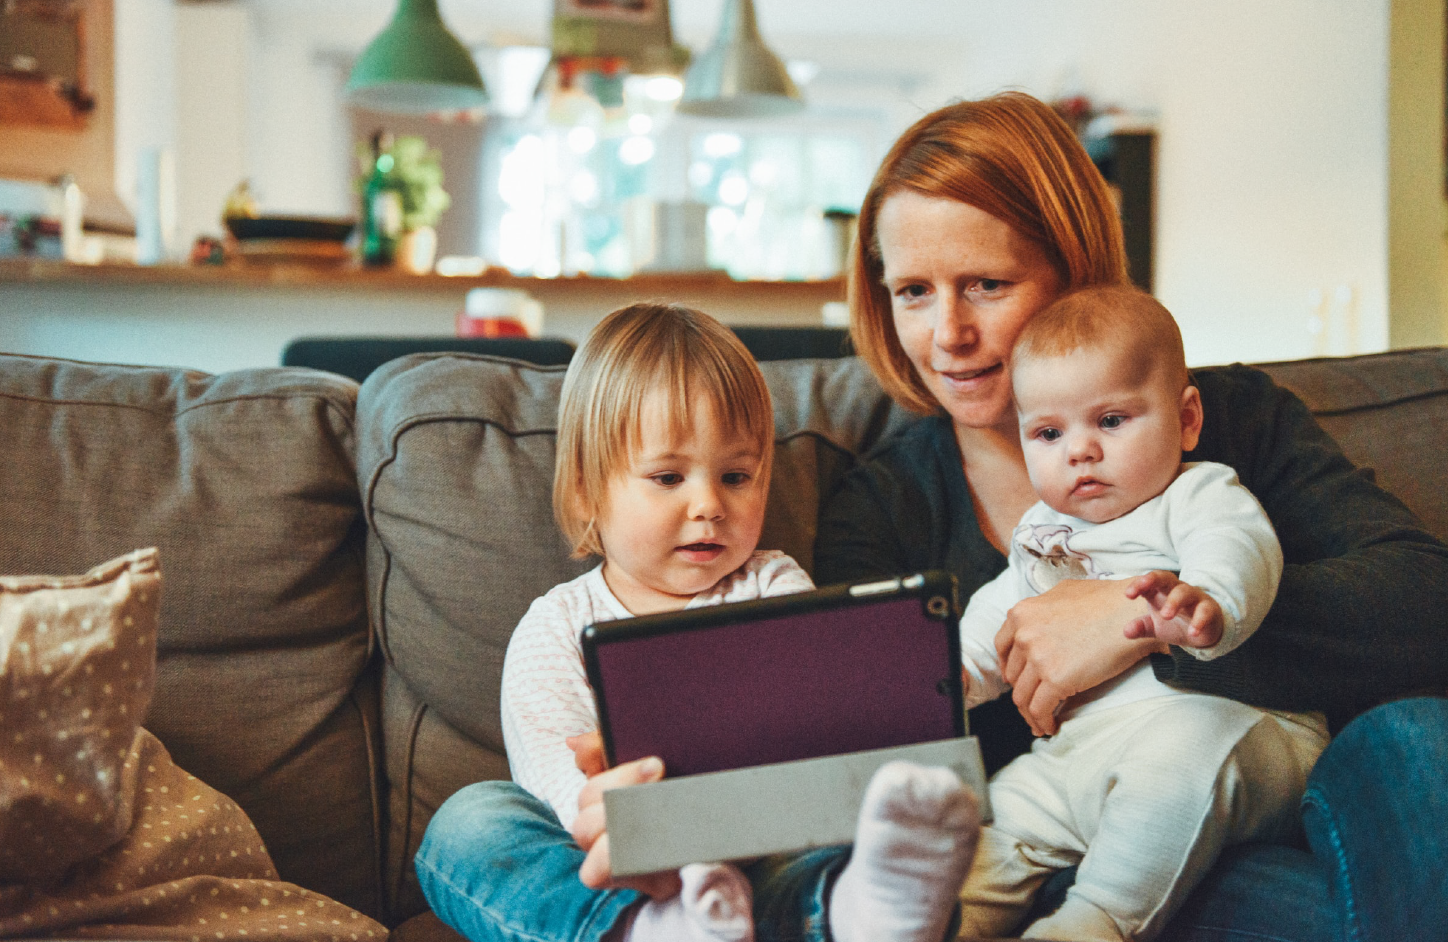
835,670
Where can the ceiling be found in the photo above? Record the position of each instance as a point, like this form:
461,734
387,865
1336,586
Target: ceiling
695,21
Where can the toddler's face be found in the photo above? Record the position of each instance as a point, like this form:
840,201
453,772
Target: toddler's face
686,512
1100,438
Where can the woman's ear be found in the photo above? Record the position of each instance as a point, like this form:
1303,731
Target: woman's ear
1191,413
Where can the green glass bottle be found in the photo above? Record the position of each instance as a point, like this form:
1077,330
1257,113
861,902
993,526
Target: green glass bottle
381,206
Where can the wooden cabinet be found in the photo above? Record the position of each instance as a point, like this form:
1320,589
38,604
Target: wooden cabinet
43,81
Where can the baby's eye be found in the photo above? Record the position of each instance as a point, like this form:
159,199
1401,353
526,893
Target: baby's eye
1112,421
1048,434
667,479
736,478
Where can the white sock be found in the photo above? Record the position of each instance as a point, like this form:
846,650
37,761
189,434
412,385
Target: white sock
716,904
913,846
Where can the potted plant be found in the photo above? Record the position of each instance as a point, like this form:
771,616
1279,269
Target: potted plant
402,200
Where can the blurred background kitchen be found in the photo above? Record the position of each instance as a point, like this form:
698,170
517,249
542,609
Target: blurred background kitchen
1280,163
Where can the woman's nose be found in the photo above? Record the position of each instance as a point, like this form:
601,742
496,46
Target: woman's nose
954,323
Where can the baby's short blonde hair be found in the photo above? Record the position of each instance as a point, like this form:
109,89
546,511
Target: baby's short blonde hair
1117,317
633,353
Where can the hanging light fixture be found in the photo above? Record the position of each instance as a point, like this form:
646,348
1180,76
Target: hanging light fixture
738,76
416,66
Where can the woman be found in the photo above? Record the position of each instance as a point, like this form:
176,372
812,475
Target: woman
981,215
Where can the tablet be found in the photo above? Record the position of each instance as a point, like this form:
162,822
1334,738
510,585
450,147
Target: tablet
836,670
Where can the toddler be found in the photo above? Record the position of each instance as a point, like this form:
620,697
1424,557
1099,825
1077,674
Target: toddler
665,439
1143,784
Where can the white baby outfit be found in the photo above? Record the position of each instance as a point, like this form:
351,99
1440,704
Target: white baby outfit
1143,784
546,697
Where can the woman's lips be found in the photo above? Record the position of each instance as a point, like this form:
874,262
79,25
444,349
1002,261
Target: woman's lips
966,378
701,552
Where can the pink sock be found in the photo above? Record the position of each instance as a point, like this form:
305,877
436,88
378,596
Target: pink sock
913,846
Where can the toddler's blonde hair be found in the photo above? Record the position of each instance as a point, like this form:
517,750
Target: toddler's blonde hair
1115,317
633,353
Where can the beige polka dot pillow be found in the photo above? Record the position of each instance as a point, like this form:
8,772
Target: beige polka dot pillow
102,836
77,663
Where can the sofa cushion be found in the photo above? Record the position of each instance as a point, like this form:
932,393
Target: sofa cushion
1387,411
245,483
455,461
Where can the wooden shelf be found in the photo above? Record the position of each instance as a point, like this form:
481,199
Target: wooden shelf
347,278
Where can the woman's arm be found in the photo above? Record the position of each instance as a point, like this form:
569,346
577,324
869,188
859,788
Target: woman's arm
1362,611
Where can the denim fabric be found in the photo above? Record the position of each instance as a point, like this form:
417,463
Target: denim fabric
496,865
1375,817
791,894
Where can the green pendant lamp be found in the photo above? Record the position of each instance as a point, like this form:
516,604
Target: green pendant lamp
416,66
739,76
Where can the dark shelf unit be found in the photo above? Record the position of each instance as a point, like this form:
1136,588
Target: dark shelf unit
1127,160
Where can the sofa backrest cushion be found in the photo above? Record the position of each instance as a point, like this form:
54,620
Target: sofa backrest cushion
455,462
1389,412
245,482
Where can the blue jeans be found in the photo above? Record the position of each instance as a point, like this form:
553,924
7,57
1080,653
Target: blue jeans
496,865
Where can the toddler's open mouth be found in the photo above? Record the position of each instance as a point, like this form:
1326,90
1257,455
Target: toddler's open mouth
701,552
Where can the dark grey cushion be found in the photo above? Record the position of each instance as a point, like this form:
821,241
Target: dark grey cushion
245,482
455,460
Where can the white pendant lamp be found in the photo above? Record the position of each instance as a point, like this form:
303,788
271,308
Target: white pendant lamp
738,76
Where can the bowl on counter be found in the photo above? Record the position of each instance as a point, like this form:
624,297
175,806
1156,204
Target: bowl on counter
308,228
289,240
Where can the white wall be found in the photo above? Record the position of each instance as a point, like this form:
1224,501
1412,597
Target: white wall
1272,147
212,123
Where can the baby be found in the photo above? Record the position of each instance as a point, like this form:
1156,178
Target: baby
1143,784
665,441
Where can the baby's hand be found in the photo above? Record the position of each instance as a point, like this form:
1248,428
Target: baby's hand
1181,614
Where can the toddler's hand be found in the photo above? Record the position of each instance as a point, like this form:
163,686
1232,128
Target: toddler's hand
590,828
1180,614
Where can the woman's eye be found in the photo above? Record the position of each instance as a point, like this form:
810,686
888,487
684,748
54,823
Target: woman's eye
990,285
911,292
1113,421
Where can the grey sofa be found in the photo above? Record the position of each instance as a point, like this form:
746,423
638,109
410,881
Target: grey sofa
342,567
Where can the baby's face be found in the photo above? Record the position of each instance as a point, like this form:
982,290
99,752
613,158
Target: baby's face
1101,436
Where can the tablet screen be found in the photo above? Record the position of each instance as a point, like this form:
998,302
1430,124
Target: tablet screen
836,670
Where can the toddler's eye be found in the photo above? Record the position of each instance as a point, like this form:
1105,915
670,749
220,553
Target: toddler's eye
1112,421
1048,434
667,479
736,478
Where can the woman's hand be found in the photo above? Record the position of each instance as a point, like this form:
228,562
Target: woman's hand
590,829
1069,639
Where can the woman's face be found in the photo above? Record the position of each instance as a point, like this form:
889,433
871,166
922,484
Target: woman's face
962,284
